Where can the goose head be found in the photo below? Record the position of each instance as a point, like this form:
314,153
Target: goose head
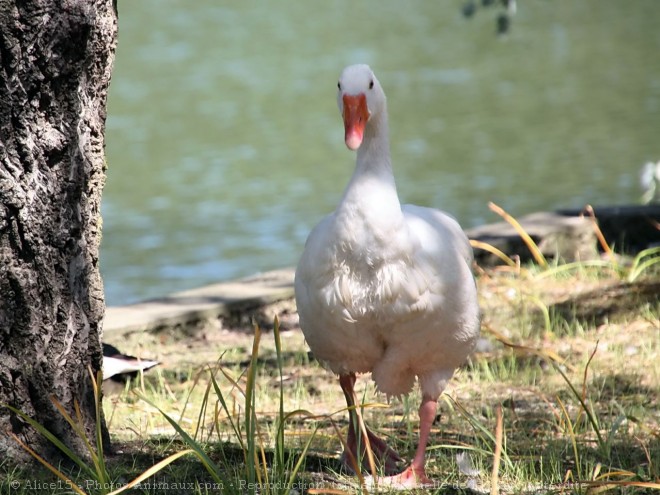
360,98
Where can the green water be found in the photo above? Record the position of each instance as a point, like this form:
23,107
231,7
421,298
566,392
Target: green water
225,145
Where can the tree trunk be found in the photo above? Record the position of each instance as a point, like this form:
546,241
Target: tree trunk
56,58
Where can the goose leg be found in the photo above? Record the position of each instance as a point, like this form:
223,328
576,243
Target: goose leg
358,445
414,476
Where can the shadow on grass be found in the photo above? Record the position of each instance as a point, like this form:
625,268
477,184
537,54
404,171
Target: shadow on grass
608,303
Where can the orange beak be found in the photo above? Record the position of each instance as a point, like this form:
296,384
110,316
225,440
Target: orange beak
356,115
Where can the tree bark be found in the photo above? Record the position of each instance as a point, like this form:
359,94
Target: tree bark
56,58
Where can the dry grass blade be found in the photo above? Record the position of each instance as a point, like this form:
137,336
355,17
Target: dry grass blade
572,437
531,245
153,470
600,486
54,440
49,466
327,491
367,444
582,399
353,460
77,427
206,461
98,408
599,234
499,427
525,350
493,250
585,374
221,399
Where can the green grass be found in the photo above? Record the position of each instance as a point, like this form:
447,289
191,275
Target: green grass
573,363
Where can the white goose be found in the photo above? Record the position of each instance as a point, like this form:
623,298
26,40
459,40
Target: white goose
385,288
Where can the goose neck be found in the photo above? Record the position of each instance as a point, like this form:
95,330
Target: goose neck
372,187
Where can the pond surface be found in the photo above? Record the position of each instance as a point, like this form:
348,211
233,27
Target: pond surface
225,146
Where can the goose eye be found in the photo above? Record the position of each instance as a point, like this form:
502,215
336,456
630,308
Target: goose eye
371,84
339,86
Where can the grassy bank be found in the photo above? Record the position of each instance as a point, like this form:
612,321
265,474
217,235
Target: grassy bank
567,372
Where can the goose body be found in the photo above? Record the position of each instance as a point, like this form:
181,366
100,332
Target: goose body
376,302
383,287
